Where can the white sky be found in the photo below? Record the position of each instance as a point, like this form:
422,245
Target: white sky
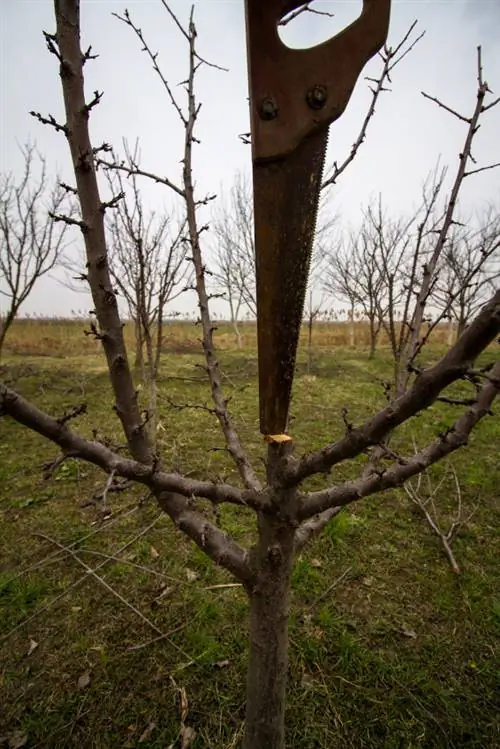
403,144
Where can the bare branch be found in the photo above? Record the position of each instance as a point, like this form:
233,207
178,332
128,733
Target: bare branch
423,393
186,36
491,104
233,442
24,412
135,170
93,102
113,202
50,120
390,57
445,538
69,188
69,221
481,169
457,436
304,9
313,527
163,485
448,109
87,55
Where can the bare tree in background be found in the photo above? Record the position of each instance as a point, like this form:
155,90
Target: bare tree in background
148,265
470,272
317,297
234,252
411,251
288,515
30,239
352,273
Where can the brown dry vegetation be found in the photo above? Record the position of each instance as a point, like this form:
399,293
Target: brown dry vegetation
60,337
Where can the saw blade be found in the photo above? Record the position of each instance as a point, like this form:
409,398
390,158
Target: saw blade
286,204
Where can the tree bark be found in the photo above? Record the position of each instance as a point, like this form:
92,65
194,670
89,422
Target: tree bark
4,327
309,341
139,349
352,329
373,337
268,661
451,332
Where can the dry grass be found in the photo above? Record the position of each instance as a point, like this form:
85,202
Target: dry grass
57,337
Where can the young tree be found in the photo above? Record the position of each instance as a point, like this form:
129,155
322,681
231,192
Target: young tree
288,516
352,273
31,240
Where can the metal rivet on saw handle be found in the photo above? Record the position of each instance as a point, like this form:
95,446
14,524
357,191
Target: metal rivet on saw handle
316,97
268,109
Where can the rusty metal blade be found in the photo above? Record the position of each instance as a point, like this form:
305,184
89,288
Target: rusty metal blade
286,198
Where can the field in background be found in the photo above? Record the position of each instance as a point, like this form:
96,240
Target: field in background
389,648
60,337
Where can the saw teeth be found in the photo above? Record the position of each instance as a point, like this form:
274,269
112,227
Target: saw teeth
286,209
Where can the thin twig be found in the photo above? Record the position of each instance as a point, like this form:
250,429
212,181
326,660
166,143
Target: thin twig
103,582
390,59
129,563
330,587
79,581
104,503
223,585
304,9
53,557
448,109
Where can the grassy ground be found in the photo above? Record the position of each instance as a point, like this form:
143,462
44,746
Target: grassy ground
389,649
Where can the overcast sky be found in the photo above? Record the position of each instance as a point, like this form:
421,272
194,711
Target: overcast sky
405,139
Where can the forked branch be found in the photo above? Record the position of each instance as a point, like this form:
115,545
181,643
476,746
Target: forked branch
401,470
426,388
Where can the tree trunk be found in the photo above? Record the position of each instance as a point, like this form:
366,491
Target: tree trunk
352,330
310,322
451,332
239,340
461,326
151,373
234,322
268,662
3,332
373,338
139,350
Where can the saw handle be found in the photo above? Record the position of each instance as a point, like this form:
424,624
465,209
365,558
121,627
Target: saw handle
293,92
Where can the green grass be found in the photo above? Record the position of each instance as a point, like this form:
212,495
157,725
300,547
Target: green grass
389,649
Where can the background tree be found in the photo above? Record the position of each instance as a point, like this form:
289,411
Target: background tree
31,242
352,274
287,515
148,265
470,272
234,256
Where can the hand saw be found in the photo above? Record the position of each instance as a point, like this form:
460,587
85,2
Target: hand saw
295,94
